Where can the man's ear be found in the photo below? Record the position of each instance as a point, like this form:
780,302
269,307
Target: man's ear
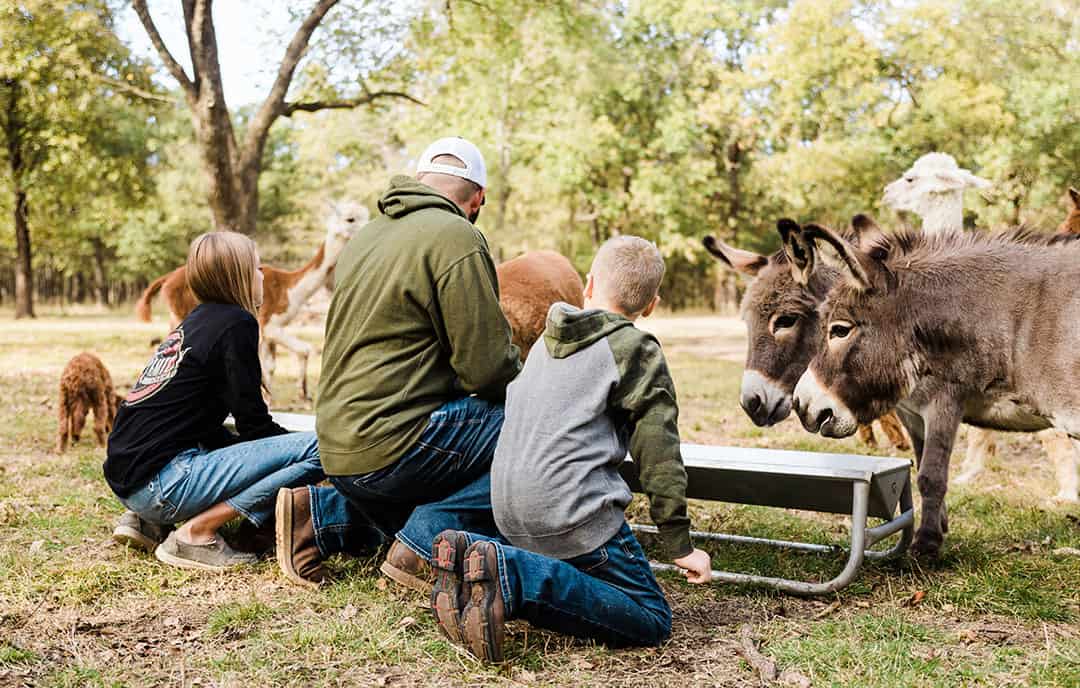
800,252
746,262
588,293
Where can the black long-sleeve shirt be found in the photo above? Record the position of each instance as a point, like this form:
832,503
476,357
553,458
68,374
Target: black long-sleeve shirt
207,368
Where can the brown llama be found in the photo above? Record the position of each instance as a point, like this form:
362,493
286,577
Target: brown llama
284,292
528,285
85,385
1071,225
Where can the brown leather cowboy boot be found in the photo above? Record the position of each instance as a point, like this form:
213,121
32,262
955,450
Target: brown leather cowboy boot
483,619
404,566
297,554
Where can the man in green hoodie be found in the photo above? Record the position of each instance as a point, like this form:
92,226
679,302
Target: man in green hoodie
413,332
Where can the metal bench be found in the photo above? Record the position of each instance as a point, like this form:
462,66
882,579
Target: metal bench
862,486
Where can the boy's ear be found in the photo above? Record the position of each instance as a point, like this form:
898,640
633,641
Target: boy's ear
651,307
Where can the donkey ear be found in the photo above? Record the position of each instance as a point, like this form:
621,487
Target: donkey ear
800,252
746,262
1074,195
860,267
869,236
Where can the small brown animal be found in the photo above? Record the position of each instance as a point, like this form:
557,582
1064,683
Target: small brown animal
1071,225
85,385
528,285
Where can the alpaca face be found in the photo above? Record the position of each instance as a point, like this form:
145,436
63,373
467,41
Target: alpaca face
933,181
344,219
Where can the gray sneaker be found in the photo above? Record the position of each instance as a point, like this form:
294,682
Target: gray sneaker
214,556
133,531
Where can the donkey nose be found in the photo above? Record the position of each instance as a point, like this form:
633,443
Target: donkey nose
823,417
754,405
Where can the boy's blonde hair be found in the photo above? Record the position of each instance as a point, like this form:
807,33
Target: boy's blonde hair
221,269
629,270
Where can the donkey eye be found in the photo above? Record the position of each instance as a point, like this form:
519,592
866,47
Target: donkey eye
840,329
784,322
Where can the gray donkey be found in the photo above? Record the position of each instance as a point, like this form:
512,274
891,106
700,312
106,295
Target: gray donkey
780,311
947,328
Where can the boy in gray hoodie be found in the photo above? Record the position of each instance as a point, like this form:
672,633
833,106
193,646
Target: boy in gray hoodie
597,388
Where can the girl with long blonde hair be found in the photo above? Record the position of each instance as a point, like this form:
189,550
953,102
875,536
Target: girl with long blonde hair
170,459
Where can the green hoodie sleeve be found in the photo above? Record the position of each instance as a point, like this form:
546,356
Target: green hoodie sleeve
646,393
476,331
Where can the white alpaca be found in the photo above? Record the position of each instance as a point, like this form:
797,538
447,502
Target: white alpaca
934,189
286,292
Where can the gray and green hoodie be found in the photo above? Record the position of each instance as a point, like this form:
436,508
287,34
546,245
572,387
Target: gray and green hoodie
598,387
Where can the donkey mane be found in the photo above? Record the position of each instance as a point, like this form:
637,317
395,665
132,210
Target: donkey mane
909,243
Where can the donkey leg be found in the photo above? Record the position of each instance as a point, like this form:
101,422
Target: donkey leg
942,421
981,445
890,424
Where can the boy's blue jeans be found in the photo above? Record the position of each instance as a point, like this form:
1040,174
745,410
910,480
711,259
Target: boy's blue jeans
246,476
609,594
441,482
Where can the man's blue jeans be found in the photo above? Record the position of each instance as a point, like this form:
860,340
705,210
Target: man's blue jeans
445,471
247,476
609,594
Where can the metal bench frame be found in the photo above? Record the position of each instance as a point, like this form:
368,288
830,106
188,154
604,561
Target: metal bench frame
862,486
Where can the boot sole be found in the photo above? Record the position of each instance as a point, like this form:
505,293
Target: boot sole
405,578
134,539
283,538
446,591
182,563
483,635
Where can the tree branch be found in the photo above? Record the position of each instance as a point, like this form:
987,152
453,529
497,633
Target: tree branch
347,104
131,89
171,64
273,106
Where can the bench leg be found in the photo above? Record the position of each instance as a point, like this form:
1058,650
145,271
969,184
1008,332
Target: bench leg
905,523
860,503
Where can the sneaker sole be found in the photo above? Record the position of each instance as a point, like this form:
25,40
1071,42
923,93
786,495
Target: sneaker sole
405,578
134,539
446,590
180,562
283,538
483,637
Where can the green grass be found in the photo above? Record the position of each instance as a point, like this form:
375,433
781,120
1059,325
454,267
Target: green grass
999,608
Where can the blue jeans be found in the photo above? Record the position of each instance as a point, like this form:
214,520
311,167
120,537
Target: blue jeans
246,476
609,594
414,497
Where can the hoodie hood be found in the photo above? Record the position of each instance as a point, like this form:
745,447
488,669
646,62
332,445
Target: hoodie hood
406,195
571,329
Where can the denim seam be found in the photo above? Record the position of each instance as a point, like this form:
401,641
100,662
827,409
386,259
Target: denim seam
603,560
440,450
503,579
404,539
314,506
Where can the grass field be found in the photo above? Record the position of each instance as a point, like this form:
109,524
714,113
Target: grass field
1000,607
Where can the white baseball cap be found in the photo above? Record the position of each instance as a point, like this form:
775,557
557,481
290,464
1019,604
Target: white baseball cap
463,150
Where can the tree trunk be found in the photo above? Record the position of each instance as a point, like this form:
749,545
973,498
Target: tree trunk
24,275
101,281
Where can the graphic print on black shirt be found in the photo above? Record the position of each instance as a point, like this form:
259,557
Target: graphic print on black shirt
161,368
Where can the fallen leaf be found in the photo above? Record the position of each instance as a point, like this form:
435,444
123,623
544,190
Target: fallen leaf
406,622
525,676
967,636
915,599
36,545
381,584
1063,551
349,612
832,607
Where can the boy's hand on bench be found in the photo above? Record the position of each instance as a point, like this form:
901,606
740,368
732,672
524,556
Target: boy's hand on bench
697,566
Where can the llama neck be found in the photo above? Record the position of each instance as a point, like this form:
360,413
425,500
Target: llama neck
943,213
